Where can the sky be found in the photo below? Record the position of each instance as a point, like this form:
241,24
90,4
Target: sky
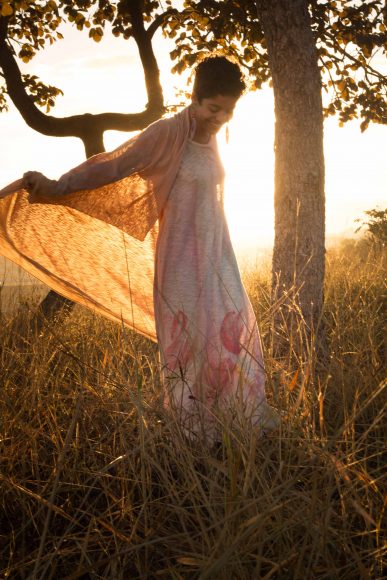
108,77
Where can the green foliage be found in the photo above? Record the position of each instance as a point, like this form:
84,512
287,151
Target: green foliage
349,34
229,28
30,25
376,226
94,15
41,94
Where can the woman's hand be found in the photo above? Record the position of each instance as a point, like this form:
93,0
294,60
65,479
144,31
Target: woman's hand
38,185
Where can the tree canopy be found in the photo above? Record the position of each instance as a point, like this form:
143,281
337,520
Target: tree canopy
350,37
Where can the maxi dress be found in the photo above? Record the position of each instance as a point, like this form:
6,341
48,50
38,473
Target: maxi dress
208,337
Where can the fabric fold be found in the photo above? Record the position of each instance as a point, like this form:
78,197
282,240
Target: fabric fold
94,241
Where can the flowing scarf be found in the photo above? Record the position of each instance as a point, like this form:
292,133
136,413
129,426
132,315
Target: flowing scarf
94,240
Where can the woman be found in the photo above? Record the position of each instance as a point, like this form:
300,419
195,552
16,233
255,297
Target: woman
160,194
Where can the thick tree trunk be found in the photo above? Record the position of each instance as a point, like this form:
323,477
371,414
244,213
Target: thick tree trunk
299,247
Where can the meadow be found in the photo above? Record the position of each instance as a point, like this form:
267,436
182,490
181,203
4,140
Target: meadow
97,481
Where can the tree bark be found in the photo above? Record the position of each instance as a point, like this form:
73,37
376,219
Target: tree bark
87,127
299,246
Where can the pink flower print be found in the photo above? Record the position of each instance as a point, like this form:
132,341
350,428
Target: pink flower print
219,376
179,324
178,353
231,332
255,387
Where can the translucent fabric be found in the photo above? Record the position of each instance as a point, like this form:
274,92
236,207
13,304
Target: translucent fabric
208,337
94,240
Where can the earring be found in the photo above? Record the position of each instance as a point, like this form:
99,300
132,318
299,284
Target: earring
227,134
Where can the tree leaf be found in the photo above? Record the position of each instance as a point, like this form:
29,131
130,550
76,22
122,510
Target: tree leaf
6,9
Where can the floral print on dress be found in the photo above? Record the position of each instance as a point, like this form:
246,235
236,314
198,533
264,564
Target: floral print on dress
219,375
209,341
231,332
178,353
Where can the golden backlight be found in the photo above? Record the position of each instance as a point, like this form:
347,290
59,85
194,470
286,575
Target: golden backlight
109,77
248,159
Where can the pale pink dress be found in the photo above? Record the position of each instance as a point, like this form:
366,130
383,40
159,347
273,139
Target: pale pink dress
207,332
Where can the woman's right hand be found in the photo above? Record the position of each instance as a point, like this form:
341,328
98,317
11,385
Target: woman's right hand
38,185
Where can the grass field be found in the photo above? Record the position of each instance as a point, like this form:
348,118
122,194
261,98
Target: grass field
98,482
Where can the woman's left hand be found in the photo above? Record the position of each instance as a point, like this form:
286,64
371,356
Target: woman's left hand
38,185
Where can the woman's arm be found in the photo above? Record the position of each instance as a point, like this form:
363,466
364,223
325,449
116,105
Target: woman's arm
108,167
97,171
38,184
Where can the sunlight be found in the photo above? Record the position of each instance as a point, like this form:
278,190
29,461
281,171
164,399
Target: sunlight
249,163
109,78
248,159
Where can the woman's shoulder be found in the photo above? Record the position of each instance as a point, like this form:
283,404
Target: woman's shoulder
180,117
179,123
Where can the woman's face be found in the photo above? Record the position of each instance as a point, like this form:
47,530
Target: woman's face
213,112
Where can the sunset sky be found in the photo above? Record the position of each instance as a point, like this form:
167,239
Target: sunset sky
108,77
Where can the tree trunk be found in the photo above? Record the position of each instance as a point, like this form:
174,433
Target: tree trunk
299,247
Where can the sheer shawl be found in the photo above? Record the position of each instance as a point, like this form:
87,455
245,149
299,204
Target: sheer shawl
94,240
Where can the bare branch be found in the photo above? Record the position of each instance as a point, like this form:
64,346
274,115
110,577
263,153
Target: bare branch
159,21
345,53
89,128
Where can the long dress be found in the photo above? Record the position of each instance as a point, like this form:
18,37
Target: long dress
208,337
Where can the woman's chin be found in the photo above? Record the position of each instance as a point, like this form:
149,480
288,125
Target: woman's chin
213,129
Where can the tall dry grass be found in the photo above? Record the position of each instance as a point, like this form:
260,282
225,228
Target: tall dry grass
98,482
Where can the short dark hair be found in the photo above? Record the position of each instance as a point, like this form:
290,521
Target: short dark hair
216,75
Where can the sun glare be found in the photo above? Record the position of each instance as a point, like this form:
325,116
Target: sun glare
248,158
111,78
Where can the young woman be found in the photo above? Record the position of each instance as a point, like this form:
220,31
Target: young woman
154,207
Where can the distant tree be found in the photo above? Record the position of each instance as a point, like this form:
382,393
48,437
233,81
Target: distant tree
376,227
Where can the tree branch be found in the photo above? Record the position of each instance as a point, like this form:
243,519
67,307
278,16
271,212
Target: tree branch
72,126
158,21
148,59
342,50
3,27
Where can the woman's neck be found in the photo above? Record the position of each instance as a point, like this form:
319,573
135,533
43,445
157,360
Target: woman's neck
201,136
